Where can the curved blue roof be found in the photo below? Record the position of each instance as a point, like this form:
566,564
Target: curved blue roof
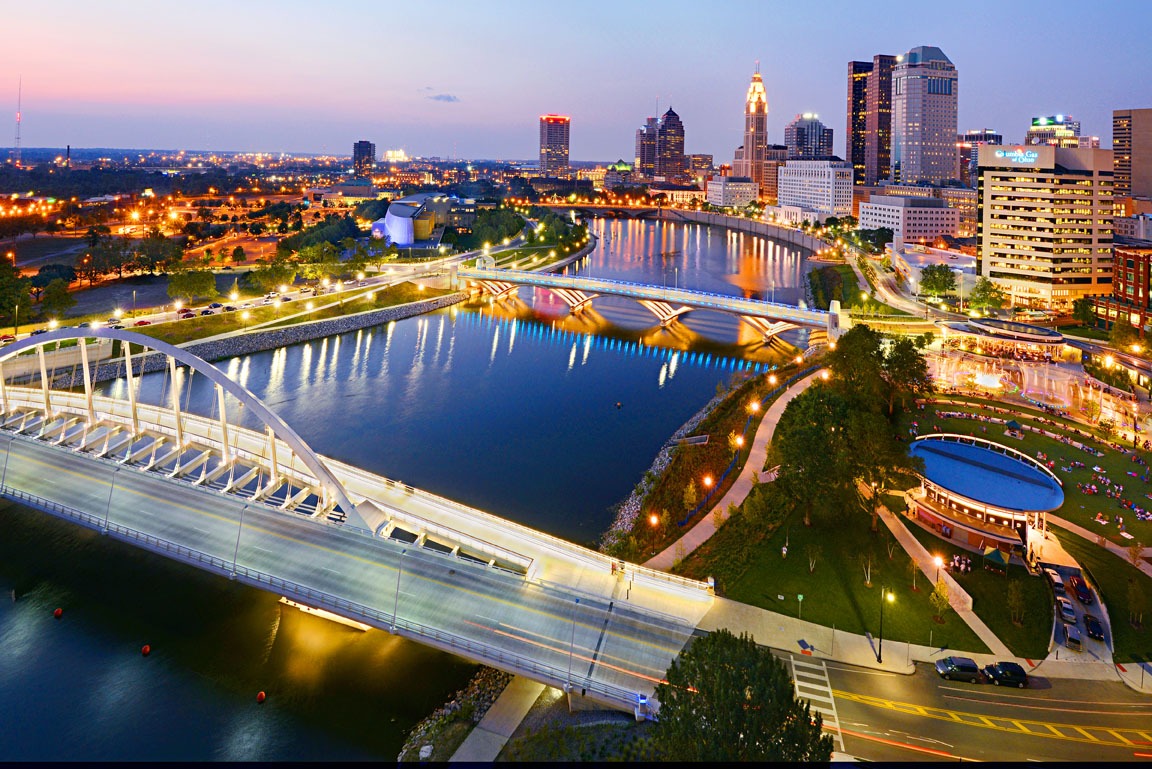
987,476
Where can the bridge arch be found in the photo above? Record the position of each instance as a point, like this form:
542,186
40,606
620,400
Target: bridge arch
276,426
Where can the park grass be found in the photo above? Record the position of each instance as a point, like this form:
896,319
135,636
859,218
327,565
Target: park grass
1086,332
401,293
1078,507
594,742
1110,575
1030,639
748,566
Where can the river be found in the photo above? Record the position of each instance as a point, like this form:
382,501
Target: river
512,409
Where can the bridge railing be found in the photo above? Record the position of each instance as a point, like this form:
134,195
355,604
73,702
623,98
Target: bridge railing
627,288
342,606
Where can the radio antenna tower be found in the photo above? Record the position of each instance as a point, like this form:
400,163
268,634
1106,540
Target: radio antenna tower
19,98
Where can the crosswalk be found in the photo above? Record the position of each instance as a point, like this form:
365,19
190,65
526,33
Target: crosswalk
811,680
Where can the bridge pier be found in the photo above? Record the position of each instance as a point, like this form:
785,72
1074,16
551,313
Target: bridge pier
767,327
664,312
576,299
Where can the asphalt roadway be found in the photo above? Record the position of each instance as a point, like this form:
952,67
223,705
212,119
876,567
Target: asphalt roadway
599,640
890,717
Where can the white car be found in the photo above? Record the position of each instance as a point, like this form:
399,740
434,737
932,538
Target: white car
1067,613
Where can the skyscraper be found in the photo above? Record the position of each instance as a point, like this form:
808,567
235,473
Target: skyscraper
924,105
749,160
671,162
1132,152
807,138
646,148
554,145
967,151
363,158
1059,131
868,144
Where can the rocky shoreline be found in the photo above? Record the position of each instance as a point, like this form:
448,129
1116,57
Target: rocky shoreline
468,705
628,510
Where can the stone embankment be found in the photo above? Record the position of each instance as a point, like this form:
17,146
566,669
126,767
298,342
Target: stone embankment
629,509
269,339
468,705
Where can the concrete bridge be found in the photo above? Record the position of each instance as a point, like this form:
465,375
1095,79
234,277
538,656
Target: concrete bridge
666,304
607,210
238,493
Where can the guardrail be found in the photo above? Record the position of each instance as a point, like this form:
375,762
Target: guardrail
342,606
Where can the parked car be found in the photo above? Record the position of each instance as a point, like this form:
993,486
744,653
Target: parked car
215,306
285,299
116,326
112,320
85,324
206,311
1072,638
1093,627
265,300
1067,612
1081,590
7,338
142,323
958,668
1006,674
362,283
1056,580
229,308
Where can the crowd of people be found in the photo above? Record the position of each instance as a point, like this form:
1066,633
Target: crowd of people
990,349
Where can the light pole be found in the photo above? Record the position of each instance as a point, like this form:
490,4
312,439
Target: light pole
939,562
236,551
885,597
108,504
133,303
16,321
572,641
396,601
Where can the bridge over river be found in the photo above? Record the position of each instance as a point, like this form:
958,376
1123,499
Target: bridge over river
238,493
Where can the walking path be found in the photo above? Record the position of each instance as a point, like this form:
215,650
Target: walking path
1109,545
738,491
489,737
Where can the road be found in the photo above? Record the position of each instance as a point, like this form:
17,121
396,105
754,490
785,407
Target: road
890,717
605,641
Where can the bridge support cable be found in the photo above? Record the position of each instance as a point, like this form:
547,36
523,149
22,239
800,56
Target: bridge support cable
225,450
131,387
767,327
175,393
44,381
664,312
88,404
576,299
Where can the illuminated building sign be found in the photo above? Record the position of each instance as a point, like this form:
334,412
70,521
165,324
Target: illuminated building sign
1018,155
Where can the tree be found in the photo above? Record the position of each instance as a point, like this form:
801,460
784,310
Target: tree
1123,335
905,370
56,299
691,497
939,599
857,366
937,279
238,254
1084,311
1135,553
49,273
1135,603
727,699
271,277
13,291
813,552
192,284
914,570
987,294
1016,601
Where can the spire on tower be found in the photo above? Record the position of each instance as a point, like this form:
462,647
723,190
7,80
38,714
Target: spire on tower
19,99
757,66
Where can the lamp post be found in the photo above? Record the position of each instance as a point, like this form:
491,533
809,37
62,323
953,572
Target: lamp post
939,562
885,597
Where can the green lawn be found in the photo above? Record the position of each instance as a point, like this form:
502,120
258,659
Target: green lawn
1110,575
1078,507
1088,332
988,593
753,571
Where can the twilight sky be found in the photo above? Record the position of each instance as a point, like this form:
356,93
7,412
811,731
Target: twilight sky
469,79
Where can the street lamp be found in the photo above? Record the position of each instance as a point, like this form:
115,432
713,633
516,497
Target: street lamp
939,562
886,596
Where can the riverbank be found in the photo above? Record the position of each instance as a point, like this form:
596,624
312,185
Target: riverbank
437,737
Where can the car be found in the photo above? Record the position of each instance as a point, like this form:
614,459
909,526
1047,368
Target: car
116,326
187,314
229,308
85,324
207,312
1093,627
1067,613
285,299
215,306
1056,580
362,283
142,323
349,282
7,338
958,668
112,320
39,331
1072,638
271,295
265,300
1081,590
227,267
1006,674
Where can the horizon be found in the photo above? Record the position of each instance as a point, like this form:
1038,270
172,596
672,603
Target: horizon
295,82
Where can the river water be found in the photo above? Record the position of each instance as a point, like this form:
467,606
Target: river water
511,408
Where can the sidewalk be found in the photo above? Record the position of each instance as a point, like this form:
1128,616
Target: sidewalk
489,737
957,596
706,527
1109,545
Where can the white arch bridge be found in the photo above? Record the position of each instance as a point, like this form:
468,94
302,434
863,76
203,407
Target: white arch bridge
239,493
667,304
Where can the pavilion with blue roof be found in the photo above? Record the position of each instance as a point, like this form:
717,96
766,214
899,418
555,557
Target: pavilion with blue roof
983,494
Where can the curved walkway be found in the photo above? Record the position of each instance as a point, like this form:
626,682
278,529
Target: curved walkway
1109,545
706,527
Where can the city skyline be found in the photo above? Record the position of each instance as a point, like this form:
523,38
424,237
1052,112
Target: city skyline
115,76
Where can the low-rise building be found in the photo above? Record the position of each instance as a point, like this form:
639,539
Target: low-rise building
732,191
912,220
1138,227
909,260
678,194
1131,297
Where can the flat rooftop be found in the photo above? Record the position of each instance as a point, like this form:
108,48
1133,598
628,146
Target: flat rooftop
987,476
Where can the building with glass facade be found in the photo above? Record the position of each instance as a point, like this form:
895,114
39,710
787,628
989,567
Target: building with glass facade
925,88
554,145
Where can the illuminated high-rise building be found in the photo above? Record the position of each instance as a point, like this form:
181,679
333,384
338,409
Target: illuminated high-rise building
1056,130
363,158
750,156
554,145
645,164
967,152
1132,152
924,114
807,138
868,142
671,162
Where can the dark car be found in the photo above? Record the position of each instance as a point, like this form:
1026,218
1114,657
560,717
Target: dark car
229,308
958,668
85,324
207,312
116,326
1093,627
39,331
215,306
1006,674
1081,590
285,299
